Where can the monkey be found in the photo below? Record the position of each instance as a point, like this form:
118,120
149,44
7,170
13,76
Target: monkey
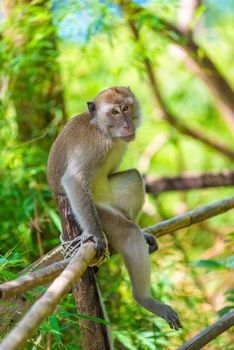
83,164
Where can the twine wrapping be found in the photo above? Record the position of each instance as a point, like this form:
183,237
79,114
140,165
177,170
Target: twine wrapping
71,248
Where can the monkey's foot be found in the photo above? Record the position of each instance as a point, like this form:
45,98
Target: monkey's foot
152,242
101,246
162,310
166,312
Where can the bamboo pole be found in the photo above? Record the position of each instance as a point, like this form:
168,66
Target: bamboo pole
47,274
42,308
191,217
33,279
209,333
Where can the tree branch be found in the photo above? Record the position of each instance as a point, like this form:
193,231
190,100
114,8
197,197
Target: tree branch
189,182
33,279
180,53
191,217
186,13
209,333
168,115
17,338
186,17
53,256
210,73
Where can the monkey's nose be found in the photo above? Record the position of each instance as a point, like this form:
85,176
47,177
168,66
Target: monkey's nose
126,126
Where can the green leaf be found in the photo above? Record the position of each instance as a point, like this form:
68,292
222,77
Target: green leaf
95,319
67,326
86,317
229,262
123,339
230,291
3,261
209,263
225,310
55,327
55,218
199,11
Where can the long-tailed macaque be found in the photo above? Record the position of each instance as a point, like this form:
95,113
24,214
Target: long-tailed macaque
83,162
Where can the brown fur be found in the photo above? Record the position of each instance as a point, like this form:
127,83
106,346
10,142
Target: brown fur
82,131
78,131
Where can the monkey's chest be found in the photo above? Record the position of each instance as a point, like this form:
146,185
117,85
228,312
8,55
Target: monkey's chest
101,188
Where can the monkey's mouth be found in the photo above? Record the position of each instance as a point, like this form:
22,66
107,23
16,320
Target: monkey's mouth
128,137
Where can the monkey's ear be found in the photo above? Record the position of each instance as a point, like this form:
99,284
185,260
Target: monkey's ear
91,108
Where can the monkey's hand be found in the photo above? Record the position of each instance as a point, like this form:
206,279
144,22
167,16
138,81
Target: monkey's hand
99,242
152,242
166,312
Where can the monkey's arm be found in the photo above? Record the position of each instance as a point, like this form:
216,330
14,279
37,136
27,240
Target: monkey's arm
77,188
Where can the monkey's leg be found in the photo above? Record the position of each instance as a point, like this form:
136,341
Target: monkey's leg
126,238
128,193
137,261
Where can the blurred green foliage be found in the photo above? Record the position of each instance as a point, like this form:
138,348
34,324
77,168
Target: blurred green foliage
89,47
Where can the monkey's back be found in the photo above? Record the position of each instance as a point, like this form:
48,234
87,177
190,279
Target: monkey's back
70,136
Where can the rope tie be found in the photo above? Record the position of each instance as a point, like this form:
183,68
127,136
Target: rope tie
71,248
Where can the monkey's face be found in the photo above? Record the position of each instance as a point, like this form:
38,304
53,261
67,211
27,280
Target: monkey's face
116,112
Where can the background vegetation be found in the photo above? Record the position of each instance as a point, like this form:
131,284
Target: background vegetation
55,56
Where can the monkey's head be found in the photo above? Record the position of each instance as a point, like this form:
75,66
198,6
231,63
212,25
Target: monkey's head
116,111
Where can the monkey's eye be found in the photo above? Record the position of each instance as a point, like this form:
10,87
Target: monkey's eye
125,108
114,111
